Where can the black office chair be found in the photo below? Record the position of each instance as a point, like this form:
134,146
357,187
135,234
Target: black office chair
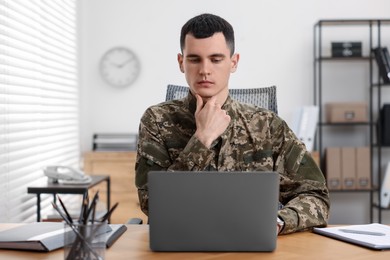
263,97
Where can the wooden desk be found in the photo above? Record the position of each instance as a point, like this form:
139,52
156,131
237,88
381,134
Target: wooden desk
134,244
55,188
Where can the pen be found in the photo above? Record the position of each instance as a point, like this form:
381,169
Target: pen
65,210
362,232
108,214
92,207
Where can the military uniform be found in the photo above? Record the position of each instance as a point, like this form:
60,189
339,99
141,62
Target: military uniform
255,140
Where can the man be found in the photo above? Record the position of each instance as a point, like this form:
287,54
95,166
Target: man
208,130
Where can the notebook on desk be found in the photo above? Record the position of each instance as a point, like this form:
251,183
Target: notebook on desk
47,236
213,211
374,235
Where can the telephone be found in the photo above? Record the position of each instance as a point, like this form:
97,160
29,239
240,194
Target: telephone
66,175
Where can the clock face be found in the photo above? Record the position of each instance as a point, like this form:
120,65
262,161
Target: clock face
119,66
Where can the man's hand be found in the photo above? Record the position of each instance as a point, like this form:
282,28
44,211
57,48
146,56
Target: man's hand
211,120
279,225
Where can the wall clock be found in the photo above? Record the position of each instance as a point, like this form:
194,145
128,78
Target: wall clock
119,67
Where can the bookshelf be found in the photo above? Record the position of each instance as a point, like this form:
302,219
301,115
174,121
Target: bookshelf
372,33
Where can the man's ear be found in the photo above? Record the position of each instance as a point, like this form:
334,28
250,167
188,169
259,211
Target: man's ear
180,61
234,59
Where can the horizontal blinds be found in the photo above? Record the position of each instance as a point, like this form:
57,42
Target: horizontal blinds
39,122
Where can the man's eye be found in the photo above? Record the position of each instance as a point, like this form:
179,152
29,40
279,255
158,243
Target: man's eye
216,60
193,60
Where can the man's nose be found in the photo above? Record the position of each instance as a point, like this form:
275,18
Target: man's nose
205,68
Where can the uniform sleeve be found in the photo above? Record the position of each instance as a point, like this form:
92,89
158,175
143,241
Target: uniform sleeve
153,154
303,190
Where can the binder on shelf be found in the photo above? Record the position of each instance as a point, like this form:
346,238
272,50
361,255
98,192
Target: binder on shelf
305,125
382,58
385,125
385,188
363,169
348,168
386,57
333,167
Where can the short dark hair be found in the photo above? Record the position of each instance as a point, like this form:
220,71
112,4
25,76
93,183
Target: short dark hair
206,25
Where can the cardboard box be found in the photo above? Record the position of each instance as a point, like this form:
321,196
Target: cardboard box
363,168
346,49
346,112
348,168
333,168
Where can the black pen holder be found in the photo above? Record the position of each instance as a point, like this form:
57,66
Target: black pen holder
85,241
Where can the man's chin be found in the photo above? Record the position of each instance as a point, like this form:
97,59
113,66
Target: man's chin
203,93
205,98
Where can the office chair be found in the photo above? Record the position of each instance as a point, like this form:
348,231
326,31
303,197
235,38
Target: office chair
262,97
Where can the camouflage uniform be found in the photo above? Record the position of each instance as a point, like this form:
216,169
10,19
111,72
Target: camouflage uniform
255,140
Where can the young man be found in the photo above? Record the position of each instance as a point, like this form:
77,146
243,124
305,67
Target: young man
208,130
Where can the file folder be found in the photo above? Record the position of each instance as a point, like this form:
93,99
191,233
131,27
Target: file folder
363,168
385,188
305,124
348,168
333,167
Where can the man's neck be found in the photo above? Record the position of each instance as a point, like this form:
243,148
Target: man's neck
221,97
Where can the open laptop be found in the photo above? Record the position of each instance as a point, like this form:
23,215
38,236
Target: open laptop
213,211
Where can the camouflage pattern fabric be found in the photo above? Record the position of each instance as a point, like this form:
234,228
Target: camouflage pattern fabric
255,140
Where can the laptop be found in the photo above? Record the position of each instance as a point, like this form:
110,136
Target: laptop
213,211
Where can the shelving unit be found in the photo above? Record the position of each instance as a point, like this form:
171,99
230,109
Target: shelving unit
372,29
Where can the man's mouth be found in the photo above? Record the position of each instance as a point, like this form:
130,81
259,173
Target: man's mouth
205,83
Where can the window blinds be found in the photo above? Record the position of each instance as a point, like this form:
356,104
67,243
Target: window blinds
38,99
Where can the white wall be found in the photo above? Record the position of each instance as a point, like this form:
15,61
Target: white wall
274,38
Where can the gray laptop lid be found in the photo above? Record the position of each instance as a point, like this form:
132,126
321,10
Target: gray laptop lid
213,211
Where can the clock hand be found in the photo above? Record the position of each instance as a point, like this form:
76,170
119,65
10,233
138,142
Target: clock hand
124,63
115,64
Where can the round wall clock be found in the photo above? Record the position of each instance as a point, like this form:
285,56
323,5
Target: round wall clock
119,67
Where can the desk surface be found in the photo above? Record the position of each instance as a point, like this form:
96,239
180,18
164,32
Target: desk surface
134,244
67,188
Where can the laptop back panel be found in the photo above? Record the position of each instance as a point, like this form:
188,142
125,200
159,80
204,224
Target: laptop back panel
213,211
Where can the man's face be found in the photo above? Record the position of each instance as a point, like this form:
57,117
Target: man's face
207,65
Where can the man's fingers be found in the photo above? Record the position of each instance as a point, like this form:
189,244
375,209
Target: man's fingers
199,103
213,101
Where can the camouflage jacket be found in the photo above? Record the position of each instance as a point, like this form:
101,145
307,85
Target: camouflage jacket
255,140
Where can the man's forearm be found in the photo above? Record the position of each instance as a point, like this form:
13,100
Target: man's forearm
304,212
